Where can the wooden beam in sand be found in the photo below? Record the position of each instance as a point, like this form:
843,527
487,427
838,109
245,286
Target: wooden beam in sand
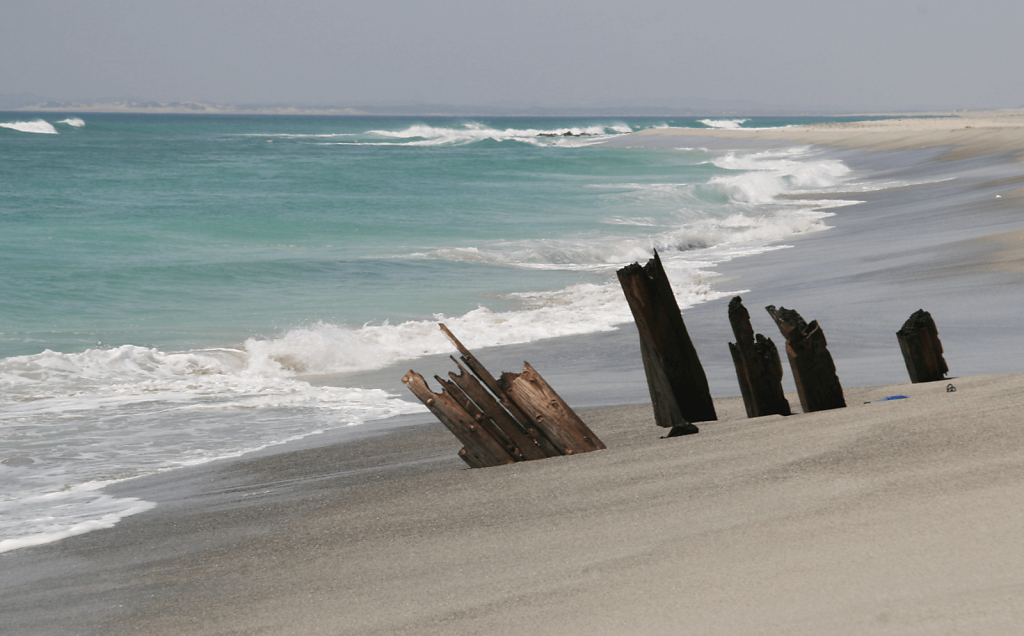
481,448
922,351
758,367
549,412
485,377
814,372
478,416
675,377
531,444
516,419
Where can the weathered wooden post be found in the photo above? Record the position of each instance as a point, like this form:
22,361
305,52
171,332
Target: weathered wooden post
513,410
922,351
481,420
480,448
518,418
675,377
758,367
814,372
549,412
531,447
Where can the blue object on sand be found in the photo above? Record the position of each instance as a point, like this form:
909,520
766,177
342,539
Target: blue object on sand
892,397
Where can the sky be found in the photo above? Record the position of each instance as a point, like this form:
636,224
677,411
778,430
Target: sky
866,56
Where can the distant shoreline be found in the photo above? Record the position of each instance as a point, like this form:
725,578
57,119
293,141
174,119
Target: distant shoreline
182,108
968,134
441,110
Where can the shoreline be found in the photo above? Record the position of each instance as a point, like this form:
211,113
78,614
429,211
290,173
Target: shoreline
840,521
304,533
967,135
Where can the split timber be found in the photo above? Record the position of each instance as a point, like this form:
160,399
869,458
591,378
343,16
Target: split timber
517,418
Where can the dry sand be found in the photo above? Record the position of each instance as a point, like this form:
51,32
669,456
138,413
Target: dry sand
969,134
894,517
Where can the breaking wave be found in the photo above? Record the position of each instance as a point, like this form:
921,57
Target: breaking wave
425,135
38,126
723,123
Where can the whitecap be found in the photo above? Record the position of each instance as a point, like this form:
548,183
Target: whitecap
426,135
724,123
38,126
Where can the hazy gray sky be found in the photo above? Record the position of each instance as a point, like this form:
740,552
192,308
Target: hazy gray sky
867,55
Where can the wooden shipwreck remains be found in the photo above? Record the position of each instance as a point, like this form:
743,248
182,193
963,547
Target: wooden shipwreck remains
758,367
814,372
922,351
675,377
518,418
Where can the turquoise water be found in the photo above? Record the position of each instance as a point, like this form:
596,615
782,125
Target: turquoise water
187,231
171,282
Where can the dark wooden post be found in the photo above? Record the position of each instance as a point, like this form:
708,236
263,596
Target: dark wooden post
548,412
675,377
481,448
758,367
814,372
922,351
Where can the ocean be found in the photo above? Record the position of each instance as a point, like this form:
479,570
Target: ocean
172,283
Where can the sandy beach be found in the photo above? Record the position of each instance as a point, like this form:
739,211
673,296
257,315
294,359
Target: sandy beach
886,517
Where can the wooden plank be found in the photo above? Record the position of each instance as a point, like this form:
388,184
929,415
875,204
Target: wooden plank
675,377
922,350
473,462
481,448
758,367
532,446
488,379
548,412
814,371
478,416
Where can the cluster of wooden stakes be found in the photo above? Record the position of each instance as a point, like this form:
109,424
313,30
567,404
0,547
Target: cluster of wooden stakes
519,417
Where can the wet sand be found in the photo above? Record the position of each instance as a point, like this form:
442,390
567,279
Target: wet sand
894,517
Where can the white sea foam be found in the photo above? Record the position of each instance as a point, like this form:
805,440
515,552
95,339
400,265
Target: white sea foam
108,414
53,516
723,123
38,126
74,122
426,135
472,132
729,210
763,176
299,135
